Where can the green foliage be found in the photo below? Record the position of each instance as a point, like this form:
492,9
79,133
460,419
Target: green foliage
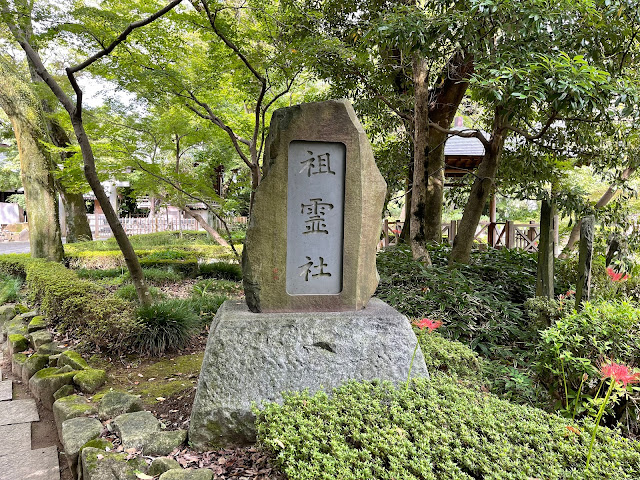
215,287
206,306
435,430
165,326
79,306
450,358
480,303
225,270
128,293
159,275
9,288
98,274
14,264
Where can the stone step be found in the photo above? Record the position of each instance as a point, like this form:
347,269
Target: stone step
18,411
16,438
41,464
6,390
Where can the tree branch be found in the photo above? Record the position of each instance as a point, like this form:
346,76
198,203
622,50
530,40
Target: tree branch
532,137
466,133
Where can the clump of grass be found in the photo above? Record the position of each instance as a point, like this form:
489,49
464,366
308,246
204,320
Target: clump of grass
159,275
128,292
229,271
166,326
9,288
206,306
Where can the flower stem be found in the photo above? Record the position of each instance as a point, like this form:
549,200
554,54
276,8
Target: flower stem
598,418
575,404
564,382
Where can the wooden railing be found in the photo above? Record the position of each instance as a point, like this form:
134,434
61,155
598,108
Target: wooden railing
492,234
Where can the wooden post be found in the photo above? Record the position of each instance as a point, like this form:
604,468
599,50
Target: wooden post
583,283
544,279
385,229
96,224
510,235
453,231
556,235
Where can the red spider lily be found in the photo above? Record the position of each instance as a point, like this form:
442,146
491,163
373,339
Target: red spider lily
428,323
570,292
615,276
619,373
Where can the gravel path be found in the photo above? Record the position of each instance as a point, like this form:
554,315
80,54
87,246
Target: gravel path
14,247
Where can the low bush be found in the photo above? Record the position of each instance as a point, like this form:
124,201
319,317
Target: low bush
435,430
9,288
187,268
128,292
97,274
158,275
223,270
79,306
165,326
14,264
450,358
206,306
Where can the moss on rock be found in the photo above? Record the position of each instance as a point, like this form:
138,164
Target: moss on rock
73,359
46,382
113,404
89,380
33,364
17,362
38,322
71,407
17,343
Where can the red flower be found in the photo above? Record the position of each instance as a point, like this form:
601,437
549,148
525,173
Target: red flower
570,292
619,373
427,323
615,276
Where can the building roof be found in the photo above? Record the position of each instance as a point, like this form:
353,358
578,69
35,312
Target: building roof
462,153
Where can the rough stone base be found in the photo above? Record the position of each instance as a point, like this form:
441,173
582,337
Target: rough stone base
253,357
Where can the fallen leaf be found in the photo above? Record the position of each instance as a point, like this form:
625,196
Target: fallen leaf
160,399
143,476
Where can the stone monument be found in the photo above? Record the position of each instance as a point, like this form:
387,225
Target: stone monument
309,273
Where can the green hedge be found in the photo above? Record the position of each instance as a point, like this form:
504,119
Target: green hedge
14,264
436,430
80,306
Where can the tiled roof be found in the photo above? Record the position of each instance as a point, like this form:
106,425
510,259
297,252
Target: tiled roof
463,147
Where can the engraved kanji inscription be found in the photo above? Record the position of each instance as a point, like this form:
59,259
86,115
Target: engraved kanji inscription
315,212
317,164
317,269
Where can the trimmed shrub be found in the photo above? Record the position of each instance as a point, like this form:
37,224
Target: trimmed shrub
97,274
223,270
158,275
450,358
80,306
14,264
165,326
435,430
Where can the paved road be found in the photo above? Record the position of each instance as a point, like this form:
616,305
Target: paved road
14,247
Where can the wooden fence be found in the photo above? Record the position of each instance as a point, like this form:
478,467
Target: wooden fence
494,234
135,225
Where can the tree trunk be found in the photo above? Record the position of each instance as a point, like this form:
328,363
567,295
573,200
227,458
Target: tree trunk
443,105
480,191
208,228
574,236
418,237
78,228
23,109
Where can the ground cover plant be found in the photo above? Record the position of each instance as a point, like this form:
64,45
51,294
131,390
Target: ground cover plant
436,429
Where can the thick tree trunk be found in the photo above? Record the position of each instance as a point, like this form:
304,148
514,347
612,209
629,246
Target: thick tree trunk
23,109
78,228
443,105
574,236
480,191
208,228
418,237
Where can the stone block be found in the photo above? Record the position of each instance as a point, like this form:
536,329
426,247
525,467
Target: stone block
254,357
20,438
76,433
18,411
6,390
17,343
141,430
175,474
21,465
90,380
17,362
117,403
73,359
33,364
37,323
39,337
96,464
343,191
71,407
161,465
49,349
7,312
46,382
63,391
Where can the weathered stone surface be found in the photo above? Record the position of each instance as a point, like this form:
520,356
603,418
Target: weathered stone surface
67,369
15,326
200,474
19,436
41,464
585,255
49,349
253,358
18,411
265,253
90,380
76,432
73,359
33,364
71,407
117,403
97,464
17,343
17,362
63,391
37,323
39,337
6,390
7,312
161,465
46,382
142,430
